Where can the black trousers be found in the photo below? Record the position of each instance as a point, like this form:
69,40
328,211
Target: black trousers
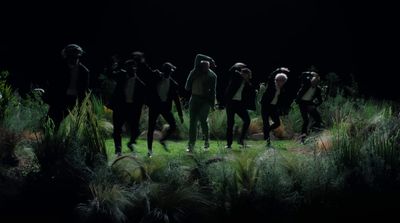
126,113
232,108
269,111
60,109
308,109
154,112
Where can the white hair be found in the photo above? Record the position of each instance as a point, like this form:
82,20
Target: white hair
281,76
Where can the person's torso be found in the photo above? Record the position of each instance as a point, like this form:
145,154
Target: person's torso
200,85
129,89
238,95
72,89
309,94
163,89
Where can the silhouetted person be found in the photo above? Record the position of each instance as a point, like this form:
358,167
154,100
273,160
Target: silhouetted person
274,97
167,91
147,95
68,85
309,98
126,103
114,66
239,97
201,82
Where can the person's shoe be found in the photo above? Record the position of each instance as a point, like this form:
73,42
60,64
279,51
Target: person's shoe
189,149
228,147
118,154
206,145
241,144
164,145
268,143
131,146
303,138
150,154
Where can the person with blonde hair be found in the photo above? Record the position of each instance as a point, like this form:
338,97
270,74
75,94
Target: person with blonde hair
272,100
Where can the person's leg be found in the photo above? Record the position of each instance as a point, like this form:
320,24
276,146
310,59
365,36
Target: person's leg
193,115
56,114
230,116
169,117
275,118
316,116
304,115
153,115
203,115
265,117
244,115
118,122
136,114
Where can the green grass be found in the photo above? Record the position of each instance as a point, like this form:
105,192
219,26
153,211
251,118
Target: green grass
178,148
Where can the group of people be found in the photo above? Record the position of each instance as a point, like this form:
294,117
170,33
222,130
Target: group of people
138,84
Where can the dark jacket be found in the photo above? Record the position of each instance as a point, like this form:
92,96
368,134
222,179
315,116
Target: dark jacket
118,97
150,78
306,84
269,94
248,93
211,83
59,83
173,95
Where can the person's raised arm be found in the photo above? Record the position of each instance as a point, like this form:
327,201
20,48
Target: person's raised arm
200,57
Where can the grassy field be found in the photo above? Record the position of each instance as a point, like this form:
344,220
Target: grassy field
177,149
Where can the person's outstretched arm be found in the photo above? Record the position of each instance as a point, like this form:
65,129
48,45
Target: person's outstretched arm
189,81
213,89
200,57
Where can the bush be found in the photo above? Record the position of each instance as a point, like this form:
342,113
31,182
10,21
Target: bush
25,114
8,144
6,94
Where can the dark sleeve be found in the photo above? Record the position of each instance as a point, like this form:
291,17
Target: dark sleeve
178,103
85,84
318,96
189,81
285,103
200,57
233,86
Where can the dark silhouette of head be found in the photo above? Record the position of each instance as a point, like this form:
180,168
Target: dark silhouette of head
71,53
315,79
167,69
204,66
130,67
246,73
138,57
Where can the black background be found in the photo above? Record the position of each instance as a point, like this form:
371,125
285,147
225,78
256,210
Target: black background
340,36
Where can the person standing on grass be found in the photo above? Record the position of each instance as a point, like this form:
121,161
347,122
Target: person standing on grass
126,102
146,95
309,98
167,91
272,100
239,97
69,85
201,82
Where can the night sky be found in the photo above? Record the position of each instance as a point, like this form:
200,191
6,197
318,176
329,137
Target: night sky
340,36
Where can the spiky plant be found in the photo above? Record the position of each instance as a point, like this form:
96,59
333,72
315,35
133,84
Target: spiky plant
6,93
165,203
108,203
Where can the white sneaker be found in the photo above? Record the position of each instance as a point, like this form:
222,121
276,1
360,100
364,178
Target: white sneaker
206,145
